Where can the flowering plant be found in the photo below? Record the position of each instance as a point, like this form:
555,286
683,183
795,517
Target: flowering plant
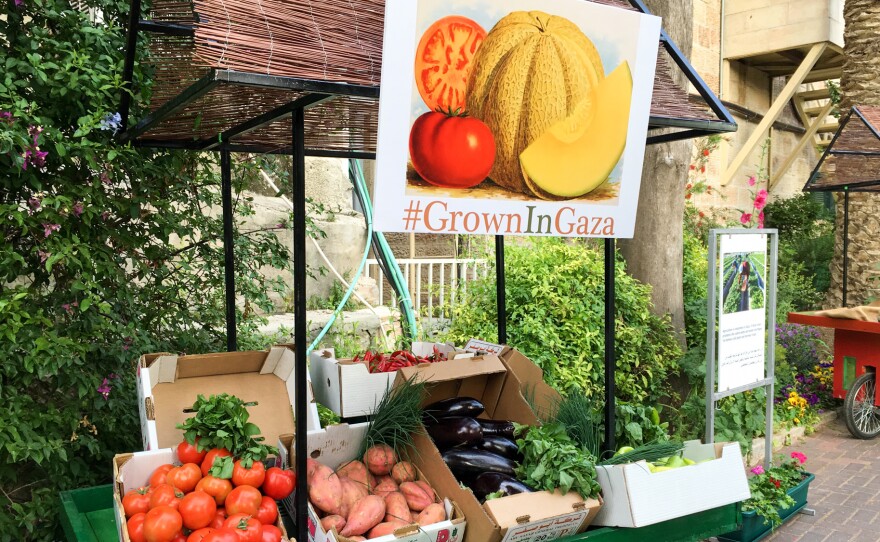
769,488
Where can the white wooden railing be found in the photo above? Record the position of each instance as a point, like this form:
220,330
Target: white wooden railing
435,284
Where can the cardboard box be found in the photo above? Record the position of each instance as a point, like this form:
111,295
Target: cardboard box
528,517
131,471
635,497
168,385
339,444
349,389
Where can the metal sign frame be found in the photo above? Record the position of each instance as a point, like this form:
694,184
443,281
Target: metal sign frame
712,396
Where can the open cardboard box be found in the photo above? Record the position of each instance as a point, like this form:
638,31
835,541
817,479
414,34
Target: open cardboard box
349,389
338,444
168,385
634,496
131,471
527,517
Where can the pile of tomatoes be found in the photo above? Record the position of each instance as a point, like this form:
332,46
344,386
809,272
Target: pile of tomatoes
186,504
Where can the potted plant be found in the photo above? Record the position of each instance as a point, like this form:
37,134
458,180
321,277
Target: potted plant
777,494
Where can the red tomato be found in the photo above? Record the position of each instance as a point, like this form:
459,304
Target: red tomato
136,500
443,61
158,476
246,527
253,476
222,535
189,453
162,524
165,495
451,151
135,527
209,458
271,533
199,535
215,487
279,483
198,510
243,500
268,511
219,519
179,538
185,477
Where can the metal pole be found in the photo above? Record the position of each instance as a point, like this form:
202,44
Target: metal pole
501,292
770,289
610,361
298,174
134,15
228,251
845,242
711,314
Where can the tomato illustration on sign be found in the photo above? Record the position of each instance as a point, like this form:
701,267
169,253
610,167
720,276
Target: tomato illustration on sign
443,61
451,150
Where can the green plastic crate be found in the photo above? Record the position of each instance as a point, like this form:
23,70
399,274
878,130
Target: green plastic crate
684,529
87,514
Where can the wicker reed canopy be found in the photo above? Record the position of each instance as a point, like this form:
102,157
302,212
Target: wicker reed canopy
229,72
851,162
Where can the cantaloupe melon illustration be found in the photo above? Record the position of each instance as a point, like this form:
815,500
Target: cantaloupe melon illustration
533,71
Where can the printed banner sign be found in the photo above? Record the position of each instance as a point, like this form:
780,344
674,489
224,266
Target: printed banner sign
742,315
513,117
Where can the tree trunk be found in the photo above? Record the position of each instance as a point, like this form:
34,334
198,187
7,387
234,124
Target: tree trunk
860,85
654,255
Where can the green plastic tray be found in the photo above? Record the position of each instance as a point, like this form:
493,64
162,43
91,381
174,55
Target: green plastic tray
684,529
87,514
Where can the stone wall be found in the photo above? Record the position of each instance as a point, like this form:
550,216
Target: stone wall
863,280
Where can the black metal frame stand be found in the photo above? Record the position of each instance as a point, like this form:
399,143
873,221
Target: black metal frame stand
228,251
845,244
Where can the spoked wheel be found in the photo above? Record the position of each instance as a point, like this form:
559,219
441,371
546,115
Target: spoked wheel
862,417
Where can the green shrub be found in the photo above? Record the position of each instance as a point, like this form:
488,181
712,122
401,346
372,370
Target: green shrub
555,315
806,241
108,253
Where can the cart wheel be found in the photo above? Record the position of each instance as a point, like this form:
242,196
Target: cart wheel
861,416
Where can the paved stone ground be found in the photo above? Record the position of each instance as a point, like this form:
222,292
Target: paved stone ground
845,493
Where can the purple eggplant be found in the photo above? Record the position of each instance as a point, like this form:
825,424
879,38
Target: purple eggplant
499,445
497,428
494,482
466,464
451,432
456,407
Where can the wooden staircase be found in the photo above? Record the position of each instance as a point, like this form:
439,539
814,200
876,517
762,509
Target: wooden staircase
812,102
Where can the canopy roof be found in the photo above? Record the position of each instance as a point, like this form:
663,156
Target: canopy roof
851,162
229,72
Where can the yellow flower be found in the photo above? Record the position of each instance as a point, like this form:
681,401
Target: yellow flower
797,421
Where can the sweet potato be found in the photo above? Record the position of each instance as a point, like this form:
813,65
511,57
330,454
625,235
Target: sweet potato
364,515
417,497
434,513
334,521
385,485
414,516
403,471
426,486
396,508
325,490
386,528
355,470
380,459
352,492
311,467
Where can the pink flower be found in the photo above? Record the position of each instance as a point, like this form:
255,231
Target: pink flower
34,203
49,228
105,178
757,469
761,199
77,208
752,180
104,389
799,456
761,219
6,116
105,215
19,3
67,308
746,218
43,255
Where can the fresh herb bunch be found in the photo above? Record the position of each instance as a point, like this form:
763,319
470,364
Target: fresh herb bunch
221,421
397,418
579,415
552,460
769,488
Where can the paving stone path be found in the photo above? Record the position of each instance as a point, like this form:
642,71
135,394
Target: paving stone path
845,493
